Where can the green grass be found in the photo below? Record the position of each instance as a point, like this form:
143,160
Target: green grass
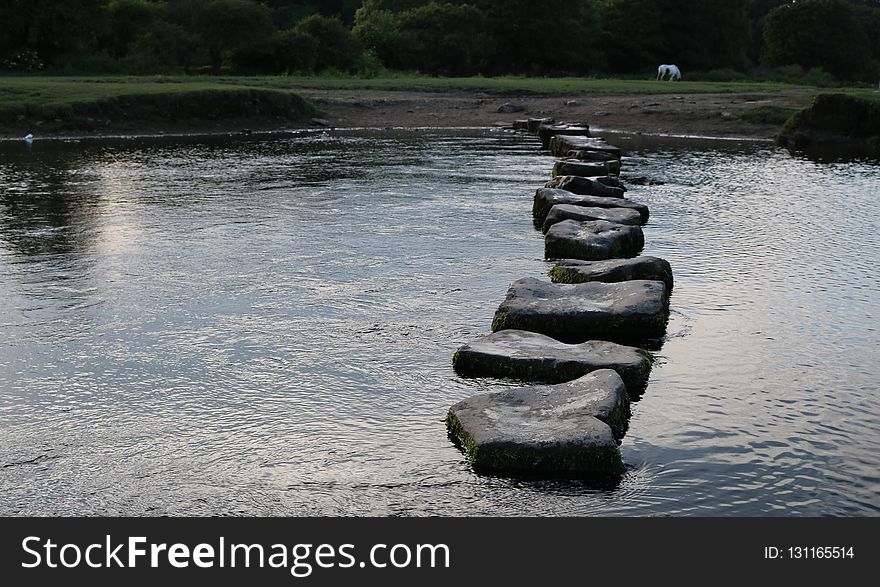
507,84
52,92
767,114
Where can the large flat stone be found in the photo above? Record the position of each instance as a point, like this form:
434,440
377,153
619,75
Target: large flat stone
613,270
591,155
562,145
592,240
547,131
565,430
531,356
586,169
546,198
628,312
584,186
561,212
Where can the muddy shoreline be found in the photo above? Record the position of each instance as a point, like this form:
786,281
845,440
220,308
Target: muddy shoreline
686,114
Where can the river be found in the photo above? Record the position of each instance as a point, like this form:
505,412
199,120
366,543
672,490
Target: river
264,325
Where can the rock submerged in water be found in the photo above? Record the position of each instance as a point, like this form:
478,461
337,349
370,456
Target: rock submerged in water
584,186
592,240
586,169
566,430
628,312
532,356
613,270
546,198
561,212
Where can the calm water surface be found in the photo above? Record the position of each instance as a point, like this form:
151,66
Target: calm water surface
264,326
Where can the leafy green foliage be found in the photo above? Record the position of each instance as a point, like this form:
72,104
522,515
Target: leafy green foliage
723,39
818,33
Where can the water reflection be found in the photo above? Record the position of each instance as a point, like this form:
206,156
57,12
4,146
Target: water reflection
226,326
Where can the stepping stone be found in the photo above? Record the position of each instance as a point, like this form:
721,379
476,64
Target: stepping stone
546,198
593,240
548,131
613,270
628,312
531,356
561,145
533,124
586,169
591,156
561,212
565,430
584,186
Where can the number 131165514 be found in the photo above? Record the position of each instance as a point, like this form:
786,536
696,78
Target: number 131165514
809,552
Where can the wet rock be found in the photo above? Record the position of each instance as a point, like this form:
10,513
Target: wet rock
592,240
610,181
510,108
591,155
535,123
584,169
613,270
547,131
561,212
561,144
321,122
531,356
546,198
572,102
628,312
564,430
584,186
521,124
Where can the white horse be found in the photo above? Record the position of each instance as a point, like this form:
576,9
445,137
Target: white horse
670,70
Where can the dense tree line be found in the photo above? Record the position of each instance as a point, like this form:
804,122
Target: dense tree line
449,37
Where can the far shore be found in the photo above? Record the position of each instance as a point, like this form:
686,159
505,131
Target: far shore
749,111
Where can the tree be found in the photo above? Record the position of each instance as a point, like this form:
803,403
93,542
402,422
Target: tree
298,51
445,38
553,36
631,35
817,33
228,27
127,20
337,46
51,28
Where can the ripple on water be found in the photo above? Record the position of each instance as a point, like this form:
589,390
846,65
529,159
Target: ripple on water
265,327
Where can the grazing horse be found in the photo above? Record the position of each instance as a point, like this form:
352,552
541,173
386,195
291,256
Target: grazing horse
670,70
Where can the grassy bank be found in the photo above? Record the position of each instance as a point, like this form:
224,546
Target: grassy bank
140,103
37,92
100,104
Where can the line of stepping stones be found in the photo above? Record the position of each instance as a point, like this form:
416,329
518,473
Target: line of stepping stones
579,339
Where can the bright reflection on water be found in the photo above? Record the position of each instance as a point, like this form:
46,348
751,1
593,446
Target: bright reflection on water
265,326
